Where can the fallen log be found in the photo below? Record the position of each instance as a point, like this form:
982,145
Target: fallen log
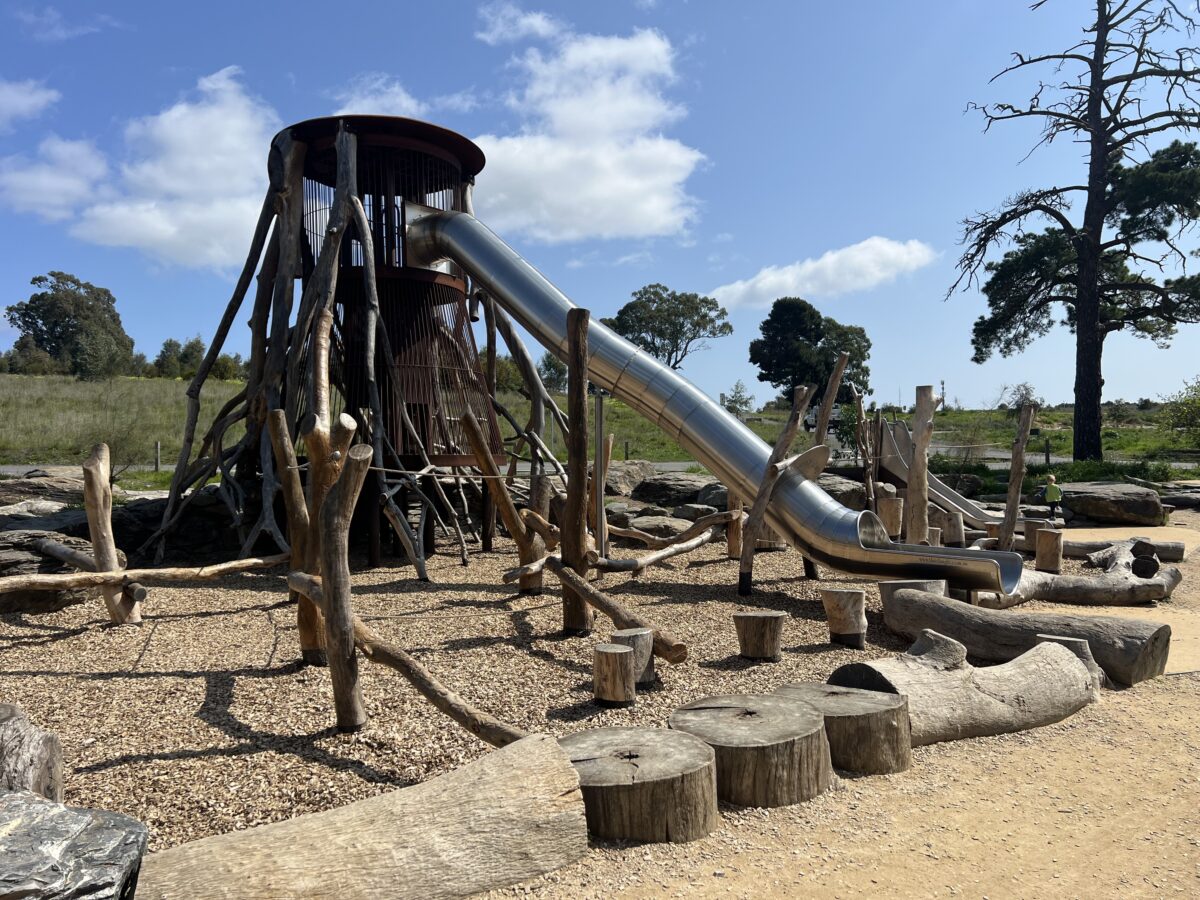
699,527
481,724
1128,650
868,731
1166,551
127,576
30,757
949,699
513,815
639,563
1120,585
666,645
131,593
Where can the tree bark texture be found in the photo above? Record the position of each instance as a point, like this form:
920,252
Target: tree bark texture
868,731
31,758
916,502
1016,474
97,501
577,615
614,676
760,633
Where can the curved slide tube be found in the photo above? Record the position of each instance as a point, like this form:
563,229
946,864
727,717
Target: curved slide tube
806,516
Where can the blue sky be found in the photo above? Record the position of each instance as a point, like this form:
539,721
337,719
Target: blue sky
746,150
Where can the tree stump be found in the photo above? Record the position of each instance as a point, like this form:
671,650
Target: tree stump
891,513
1032,527
614,677
1083,650
955,532
760,633
935,536
645,784
30,757
641,641
846,611
771,750
887,589
1049,550
868,731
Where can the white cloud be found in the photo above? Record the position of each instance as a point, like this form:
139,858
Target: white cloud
194,184
24,100
52,186
47,24
859,267
504,23
375,93
591,160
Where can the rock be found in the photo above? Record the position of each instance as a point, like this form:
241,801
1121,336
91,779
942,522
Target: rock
625,475
56,488
661,526
17,557
851,494
31,509
965,483
715,495
1188,500
671,489
55,851
693,511
1113,502
649,509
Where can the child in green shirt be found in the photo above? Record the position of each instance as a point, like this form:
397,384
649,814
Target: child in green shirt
1053,494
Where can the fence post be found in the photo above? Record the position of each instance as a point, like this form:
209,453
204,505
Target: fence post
157,455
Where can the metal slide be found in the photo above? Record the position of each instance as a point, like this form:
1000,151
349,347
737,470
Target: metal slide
806,516
897,457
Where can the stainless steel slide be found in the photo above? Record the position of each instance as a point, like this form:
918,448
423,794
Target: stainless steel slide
807,517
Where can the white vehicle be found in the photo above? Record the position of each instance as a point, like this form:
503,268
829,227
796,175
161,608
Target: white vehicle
810,420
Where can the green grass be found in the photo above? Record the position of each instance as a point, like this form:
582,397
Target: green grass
55,420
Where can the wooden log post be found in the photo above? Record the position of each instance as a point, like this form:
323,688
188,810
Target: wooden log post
934,537
487,531
645,784
31,758
760,634
614,678
1029,531
776,466
1129,650
133,592
949,699
733,530
846,611
868,731
916,506
577,615
641,641
891,513
771,750
335,567
1016,475
97,502
831,391
954,534
511,815
1049,550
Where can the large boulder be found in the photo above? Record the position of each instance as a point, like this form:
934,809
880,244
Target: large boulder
850,494
51,850
715,495
693,511
18,557
55,488
1113,502
966,484
625,475
661,526
672,489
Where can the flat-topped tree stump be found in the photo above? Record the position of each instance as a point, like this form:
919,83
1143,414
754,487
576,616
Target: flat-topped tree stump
868,731
30,757
846,611
771,750
760,633
645,784
641,641
614,678
949,699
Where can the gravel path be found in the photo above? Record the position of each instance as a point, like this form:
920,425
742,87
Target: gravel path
200,722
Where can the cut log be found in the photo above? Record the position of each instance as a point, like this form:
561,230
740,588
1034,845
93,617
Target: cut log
954,533
760,633
825,413
510,816
916,506
949,699
868,731
126,576
1083,650
1049,550
1030,528
888,589
577,614
891,513
934,536
19,556
80,559
846,611
771,750
1128,650
641,641
1016,475
645,784
614,678
1166,551
733,531
63,852
30,757
97,501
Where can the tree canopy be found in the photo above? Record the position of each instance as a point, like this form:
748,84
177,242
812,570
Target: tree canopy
553,372
75,324
670,325
1096,268
801,346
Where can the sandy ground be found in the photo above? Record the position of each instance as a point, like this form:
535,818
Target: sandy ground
200,722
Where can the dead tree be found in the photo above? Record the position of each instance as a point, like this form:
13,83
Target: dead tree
831,392
1016,475
97,501
916,504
